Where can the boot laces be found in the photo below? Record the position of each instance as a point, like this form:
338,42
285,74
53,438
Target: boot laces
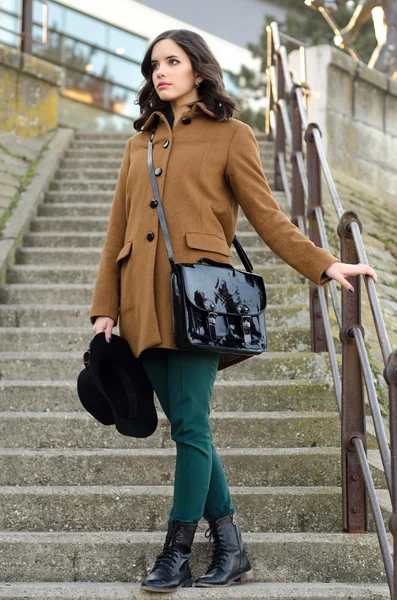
169,554
218,551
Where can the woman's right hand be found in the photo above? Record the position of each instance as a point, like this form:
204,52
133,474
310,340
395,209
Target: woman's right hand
104,324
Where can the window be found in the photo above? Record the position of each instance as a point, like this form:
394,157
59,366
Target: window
126,44
10,6
124,71
85,28
11,23
51,51
121,101
85,88
55,14
85,57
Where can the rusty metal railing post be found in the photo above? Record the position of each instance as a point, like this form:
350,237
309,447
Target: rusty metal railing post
280,130
354,494
318,335
298,195
27,26
390,375
269,88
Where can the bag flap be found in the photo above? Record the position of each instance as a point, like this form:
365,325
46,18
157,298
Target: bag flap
124,251
224,287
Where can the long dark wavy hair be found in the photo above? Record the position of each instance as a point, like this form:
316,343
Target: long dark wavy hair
211,91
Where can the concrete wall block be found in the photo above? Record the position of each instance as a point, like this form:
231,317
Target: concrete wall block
9,56
373,77
340,90
343,61
391,114
28,94
369,104
38,107
392,89
41,69
8,78
342,138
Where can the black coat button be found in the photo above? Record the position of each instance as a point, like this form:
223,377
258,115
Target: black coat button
158,171
153,203
166,144
186,120
150,236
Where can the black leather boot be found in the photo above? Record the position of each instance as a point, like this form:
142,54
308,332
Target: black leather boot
229,563
172,569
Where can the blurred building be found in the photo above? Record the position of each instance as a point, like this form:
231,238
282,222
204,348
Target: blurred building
101,45
238,21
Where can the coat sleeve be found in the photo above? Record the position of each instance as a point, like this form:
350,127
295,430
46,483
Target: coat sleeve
244,173
106,296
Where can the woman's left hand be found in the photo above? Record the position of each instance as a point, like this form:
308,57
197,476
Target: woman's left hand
339,271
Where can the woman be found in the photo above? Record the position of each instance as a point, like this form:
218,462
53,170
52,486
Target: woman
207,164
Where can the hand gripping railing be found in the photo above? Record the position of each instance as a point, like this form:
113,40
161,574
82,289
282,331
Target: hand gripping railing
287,123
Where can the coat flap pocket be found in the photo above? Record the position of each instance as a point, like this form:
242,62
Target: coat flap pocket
125,251
207,241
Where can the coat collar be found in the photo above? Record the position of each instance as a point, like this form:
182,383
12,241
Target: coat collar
191,112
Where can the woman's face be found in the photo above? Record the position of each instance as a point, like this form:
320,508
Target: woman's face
171,64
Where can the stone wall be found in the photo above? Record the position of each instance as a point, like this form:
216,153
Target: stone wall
356,109
29,92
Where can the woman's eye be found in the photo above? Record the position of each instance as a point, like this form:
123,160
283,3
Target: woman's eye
172,60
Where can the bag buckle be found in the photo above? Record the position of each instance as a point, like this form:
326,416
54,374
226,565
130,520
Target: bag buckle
211,320
246,325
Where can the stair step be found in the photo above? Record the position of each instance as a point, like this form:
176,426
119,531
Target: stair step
145,508
102,143
87,274
102,196
61,239
253,591
88,185
103,135
87,173
100,184
78,315
90,163
98,224
244,395
87,162
81,293
278,467
97,151
128,556
269,365
116,152
83,209
92,255
291,429
61,339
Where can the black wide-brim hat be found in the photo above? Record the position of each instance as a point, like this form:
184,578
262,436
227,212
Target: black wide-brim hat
115,389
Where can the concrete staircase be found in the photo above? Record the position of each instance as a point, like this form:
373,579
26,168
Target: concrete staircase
83,509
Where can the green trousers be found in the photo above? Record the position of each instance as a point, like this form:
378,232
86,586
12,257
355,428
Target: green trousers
183,382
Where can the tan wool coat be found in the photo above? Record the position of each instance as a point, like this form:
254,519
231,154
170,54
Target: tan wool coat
208,170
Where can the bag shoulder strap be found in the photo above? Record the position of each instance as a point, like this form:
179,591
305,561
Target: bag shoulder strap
160,210
163,223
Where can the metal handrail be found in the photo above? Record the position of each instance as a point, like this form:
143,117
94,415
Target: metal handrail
356,369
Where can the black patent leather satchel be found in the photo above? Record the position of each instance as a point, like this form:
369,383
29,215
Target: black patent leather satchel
215,307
